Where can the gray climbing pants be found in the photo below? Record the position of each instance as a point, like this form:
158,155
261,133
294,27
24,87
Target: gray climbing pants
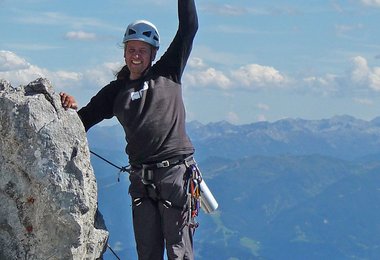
160,214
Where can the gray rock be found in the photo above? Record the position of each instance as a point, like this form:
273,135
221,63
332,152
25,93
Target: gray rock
48,192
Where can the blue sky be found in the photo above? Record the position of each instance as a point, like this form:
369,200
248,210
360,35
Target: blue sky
251,60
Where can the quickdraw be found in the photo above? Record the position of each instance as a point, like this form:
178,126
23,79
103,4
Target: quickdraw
194,194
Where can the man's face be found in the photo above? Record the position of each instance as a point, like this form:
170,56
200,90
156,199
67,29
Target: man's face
138,56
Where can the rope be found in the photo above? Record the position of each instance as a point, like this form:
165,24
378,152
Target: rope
121,169
113,252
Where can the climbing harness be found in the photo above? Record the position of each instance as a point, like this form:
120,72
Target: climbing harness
146,173
192,183
198,194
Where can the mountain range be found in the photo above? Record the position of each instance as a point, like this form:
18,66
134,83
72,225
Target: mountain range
290,189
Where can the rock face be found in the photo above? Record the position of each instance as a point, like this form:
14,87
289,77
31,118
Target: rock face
48,192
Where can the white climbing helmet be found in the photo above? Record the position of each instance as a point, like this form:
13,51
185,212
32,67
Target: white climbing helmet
142,30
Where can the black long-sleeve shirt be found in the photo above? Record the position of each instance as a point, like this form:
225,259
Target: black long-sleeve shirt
151,108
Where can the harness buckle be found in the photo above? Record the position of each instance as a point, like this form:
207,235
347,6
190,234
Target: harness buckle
164,164
189,161
147,175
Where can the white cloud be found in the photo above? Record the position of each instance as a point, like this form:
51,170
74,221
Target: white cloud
211,77
326,85
254,76
225,9
337,7
359,78
196,63
371,2
360,70
238,10
234,29
80,35
363,101
23,76
232,118
261,118
64,78
215,56
341,29
10,61
102,74
251,76
374,79
118,246
262,106
235,10
201,76
60,19
31,47
364,75
154,2
19,72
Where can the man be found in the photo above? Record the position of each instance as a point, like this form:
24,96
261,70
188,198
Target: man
147,101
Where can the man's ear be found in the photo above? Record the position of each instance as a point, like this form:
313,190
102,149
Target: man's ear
154,53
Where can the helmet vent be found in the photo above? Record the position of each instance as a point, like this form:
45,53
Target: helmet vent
130,32
147,33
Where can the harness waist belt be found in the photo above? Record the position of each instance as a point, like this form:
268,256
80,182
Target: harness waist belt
169,162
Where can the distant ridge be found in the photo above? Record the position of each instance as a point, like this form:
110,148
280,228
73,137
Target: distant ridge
344,137
290,189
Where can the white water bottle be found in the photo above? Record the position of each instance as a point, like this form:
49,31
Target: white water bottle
208,202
